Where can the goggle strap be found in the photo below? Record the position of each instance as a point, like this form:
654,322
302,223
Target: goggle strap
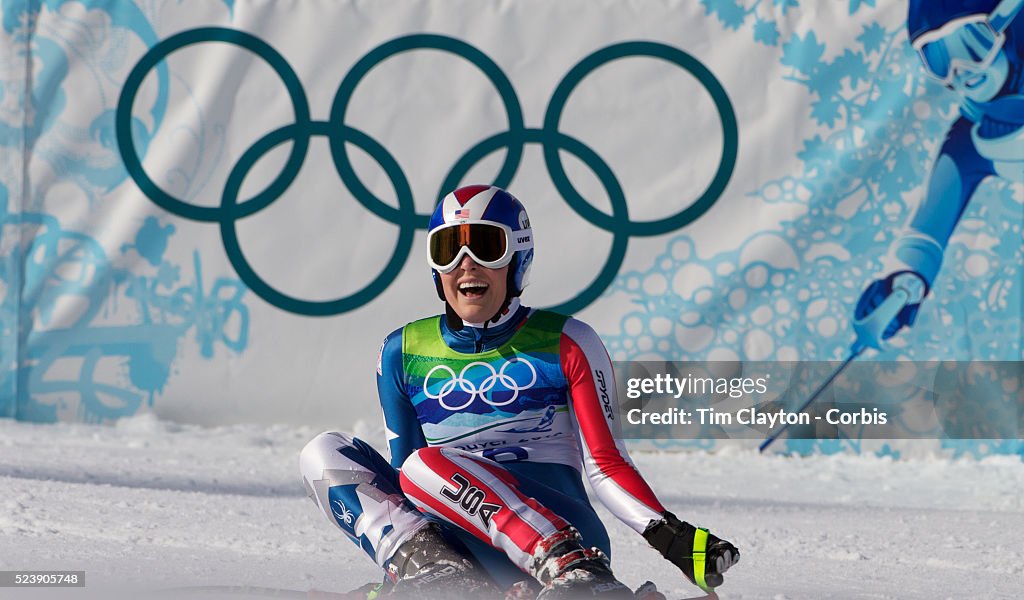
521,239
1004,14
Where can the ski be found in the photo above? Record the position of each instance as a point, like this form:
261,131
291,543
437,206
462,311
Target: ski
265,592
643,593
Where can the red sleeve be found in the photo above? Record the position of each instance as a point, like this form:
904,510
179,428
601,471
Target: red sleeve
593,404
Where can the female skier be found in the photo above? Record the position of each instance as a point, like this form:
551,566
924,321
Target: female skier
492,411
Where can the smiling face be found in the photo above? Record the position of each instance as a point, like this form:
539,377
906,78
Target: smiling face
982,85
475,293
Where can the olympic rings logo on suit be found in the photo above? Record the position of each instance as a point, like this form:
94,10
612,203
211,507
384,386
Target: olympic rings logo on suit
232,209
482,390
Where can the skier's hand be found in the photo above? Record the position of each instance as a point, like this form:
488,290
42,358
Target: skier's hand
877,292
701,556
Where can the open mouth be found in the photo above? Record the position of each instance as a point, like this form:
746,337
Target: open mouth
974,81
473,289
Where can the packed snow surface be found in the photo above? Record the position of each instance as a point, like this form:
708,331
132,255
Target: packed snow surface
147,505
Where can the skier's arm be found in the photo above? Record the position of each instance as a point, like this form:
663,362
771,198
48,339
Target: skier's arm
617,483
401,426
702,557
916,256
956,174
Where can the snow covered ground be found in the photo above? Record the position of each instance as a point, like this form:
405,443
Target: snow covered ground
148,505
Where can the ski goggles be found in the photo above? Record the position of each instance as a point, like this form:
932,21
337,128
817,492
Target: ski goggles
968,44
490,244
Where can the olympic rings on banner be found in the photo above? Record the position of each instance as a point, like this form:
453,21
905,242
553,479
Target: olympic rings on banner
474,390
514,139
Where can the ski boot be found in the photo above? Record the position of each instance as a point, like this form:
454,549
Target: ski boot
570,571
522,590
648,591
426,567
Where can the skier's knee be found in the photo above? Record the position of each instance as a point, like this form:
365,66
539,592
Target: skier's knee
415,463
420,466
322,453
437,460
323,445
335,451
420,455
432,456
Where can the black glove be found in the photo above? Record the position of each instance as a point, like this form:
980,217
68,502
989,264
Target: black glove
701,556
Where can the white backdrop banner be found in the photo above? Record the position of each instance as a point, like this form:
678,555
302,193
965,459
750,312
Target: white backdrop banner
215,211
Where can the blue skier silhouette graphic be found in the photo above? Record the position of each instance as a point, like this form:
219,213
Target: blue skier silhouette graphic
975,48
543,425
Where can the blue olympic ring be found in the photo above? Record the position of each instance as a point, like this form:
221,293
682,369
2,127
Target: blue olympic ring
513,140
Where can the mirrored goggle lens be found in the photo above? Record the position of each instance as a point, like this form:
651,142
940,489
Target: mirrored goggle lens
935,59
487,242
